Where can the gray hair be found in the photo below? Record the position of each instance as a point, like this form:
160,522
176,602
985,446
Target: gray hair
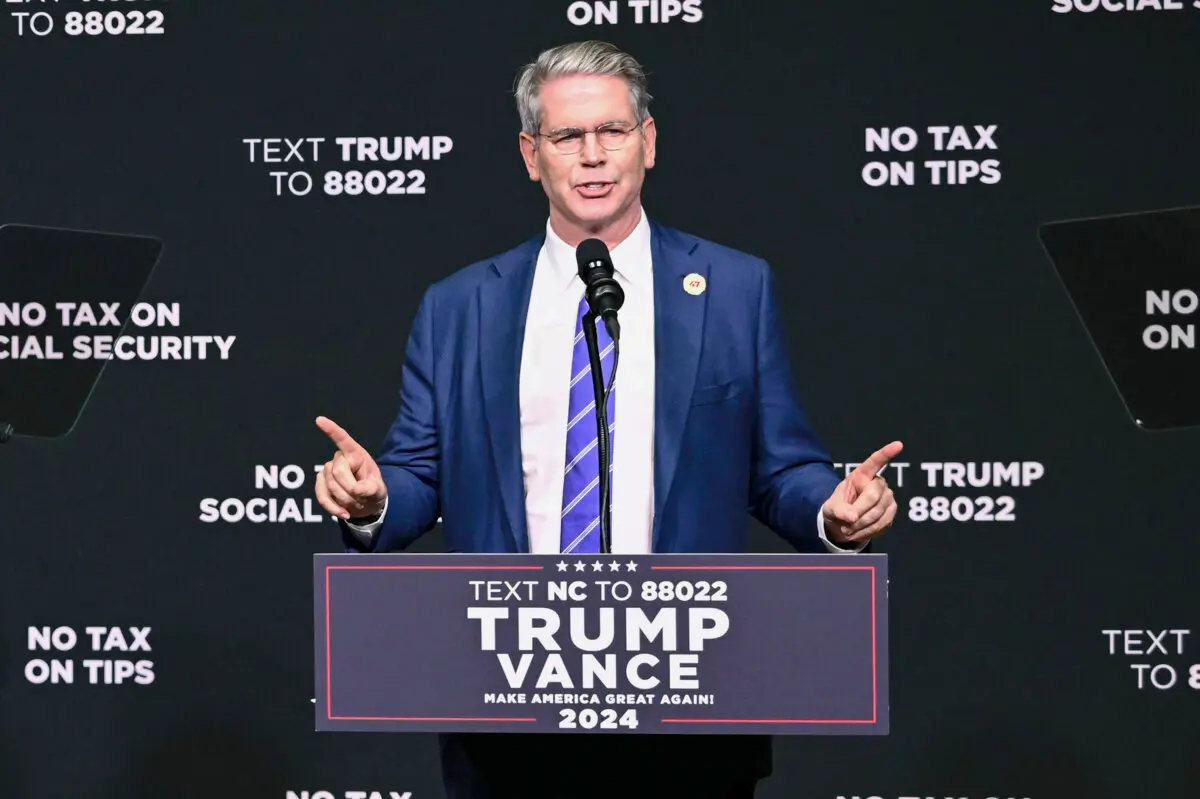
578,58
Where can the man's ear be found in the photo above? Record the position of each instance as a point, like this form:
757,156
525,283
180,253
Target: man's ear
529,153
650,139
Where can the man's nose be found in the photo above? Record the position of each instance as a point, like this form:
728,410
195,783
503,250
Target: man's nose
591,152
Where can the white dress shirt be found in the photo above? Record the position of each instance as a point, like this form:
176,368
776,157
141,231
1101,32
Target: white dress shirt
545,395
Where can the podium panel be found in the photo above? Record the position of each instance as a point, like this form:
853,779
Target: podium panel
791,644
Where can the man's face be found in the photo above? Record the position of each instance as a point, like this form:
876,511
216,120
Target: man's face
595,187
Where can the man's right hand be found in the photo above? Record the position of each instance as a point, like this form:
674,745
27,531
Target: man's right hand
350,485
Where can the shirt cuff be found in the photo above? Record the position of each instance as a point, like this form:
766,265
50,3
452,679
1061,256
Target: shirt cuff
830,545
366,532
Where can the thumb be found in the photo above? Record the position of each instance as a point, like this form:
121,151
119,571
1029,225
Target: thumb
367,487
838,508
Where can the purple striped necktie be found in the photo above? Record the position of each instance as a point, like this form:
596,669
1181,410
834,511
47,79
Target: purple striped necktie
581,484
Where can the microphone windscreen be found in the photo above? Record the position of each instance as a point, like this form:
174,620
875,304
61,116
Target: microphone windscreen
592,254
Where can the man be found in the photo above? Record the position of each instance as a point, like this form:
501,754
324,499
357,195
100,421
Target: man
705,420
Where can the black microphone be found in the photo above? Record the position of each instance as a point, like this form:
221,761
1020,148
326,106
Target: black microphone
604,298
604,294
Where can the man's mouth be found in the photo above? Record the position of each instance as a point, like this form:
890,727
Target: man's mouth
596,188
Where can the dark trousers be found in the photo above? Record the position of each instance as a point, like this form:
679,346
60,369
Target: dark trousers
524,766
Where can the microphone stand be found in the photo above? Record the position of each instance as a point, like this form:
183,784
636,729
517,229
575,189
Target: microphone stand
602,440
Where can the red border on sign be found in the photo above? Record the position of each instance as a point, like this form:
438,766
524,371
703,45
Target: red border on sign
874,646
874,651
328,671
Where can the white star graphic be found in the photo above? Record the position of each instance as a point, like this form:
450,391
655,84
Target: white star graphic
597,565
562,567
614,567
579,565
631,566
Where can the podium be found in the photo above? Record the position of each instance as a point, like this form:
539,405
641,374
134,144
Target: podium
789,644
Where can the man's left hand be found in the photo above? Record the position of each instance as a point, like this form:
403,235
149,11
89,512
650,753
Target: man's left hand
862,506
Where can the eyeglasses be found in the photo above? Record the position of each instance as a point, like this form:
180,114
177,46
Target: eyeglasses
568,141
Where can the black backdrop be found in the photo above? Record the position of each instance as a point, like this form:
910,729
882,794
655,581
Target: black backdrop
928,313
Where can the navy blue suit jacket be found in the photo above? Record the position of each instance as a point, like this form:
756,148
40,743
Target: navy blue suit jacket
730,433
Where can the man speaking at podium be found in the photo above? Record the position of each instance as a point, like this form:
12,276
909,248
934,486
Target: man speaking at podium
497,432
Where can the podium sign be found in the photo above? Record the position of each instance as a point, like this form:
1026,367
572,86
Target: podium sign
790,644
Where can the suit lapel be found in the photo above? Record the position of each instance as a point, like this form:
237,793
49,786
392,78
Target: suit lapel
503,305
678,329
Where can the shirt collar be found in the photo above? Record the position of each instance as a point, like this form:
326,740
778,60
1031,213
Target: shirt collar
631,258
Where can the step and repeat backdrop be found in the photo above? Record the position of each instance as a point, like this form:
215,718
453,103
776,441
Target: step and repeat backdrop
219,218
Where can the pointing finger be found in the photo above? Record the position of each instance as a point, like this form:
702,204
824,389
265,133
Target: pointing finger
868,469
341,439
